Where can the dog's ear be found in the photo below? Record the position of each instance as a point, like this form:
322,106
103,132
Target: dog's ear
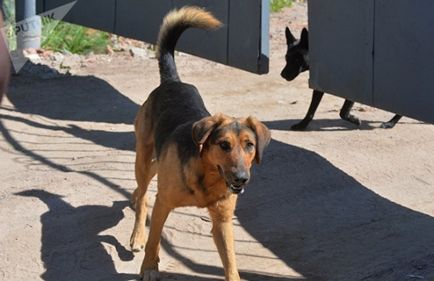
203,128
289,37
304,39
263,136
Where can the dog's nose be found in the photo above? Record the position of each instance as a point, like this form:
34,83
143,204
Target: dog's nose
240,178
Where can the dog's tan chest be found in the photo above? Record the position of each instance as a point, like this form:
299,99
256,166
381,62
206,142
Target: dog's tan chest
195,194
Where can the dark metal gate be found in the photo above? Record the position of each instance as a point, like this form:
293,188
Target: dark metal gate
242,42
377,52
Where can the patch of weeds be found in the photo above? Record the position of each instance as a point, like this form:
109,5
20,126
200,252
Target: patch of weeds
278,5
60,36
76,39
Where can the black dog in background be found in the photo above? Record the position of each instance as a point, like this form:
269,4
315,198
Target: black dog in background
297,61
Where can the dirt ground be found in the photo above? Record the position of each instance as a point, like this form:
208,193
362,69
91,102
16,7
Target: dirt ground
333,203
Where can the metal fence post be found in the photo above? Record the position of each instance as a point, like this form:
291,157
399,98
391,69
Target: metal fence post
28,28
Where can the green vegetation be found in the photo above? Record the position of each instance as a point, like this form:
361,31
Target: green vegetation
66,37
277,5
60,36
9,13
9,9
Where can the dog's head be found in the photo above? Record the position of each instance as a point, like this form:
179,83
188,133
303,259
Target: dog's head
297,55
230,146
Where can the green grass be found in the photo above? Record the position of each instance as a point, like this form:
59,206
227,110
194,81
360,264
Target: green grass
61,36
9,12
73,38
278,5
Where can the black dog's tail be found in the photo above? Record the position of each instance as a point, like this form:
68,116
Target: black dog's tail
174,23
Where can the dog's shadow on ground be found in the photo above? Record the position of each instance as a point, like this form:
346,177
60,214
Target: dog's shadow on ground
326,125
330,125
71,241
327,226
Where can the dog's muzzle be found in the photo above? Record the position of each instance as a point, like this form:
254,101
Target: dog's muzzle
236,182
236,189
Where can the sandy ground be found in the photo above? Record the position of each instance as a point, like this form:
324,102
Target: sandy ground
333,203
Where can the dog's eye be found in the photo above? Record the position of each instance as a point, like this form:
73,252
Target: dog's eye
250,146
226,146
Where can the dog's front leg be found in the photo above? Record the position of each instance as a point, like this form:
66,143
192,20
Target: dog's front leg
149,269
316,99
222,232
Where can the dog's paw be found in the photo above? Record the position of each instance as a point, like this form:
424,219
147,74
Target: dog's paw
151,275
137,241
387,125
352,119
356,121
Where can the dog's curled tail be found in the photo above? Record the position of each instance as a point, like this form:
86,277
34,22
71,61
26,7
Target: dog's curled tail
174,23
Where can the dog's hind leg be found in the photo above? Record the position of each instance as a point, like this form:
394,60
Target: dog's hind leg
145,170
346,115
392,122
142,176
316,99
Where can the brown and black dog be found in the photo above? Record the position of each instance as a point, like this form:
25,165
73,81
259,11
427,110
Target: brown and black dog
201,160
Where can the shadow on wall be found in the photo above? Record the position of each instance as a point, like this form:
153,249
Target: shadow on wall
327,226
71,245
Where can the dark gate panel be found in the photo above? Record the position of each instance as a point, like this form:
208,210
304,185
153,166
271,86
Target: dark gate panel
242,42
140,19
378,52
95,13
245,42
340,47
200,42
404,57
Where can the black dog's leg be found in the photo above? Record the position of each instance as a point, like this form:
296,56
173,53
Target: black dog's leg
390,124
345,113
316,99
